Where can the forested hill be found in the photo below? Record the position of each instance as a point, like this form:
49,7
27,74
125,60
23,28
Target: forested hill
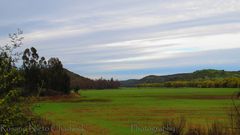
197,75
79,82
76,78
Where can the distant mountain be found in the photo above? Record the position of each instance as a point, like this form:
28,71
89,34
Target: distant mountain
197,75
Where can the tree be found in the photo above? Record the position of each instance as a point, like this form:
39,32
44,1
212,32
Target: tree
9,75
58,78
31,68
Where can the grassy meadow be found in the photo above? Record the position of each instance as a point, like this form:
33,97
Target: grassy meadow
135,110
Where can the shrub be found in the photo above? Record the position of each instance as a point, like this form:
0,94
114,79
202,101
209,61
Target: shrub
218,129
174,127
14,119
196,131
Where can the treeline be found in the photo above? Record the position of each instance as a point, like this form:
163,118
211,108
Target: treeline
38,76
35,75
43,75
48,77
213,83
104,84
95,84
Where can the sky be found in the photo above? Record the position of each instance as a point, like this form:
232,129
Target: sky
128,39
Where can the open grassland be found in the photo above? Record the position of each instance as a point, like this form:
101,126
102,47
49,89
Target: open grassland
135,110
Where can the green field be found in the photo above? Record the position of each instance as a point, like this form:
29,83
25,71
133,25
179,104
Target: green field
135,110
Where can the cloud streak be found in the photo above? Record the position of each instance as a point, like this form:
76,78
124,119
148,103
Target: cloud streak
129,38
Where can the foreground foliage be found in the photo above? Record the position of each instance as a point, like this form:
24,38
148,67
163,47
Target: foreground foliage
9,74
15,118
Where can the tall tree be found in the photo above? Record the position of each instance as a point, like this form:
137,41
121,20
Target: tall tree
58,78
31,68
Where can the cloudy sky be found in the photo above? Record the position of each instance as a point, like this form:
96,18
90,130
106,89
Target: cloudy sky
129,38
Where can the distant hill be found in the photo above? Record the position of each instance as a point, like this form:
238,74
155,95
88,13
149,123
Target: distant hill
77,81
129,83
197,75
73,76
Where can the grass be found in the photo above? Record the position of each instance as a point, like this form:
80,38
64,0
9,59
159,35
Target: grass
135,110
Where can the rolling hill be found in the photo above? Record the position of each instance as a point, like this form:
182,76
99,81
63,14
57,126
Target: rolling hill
197,75
77,81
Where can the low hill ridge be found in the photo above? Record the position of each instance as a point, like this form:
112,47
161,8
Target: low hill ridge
197,75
